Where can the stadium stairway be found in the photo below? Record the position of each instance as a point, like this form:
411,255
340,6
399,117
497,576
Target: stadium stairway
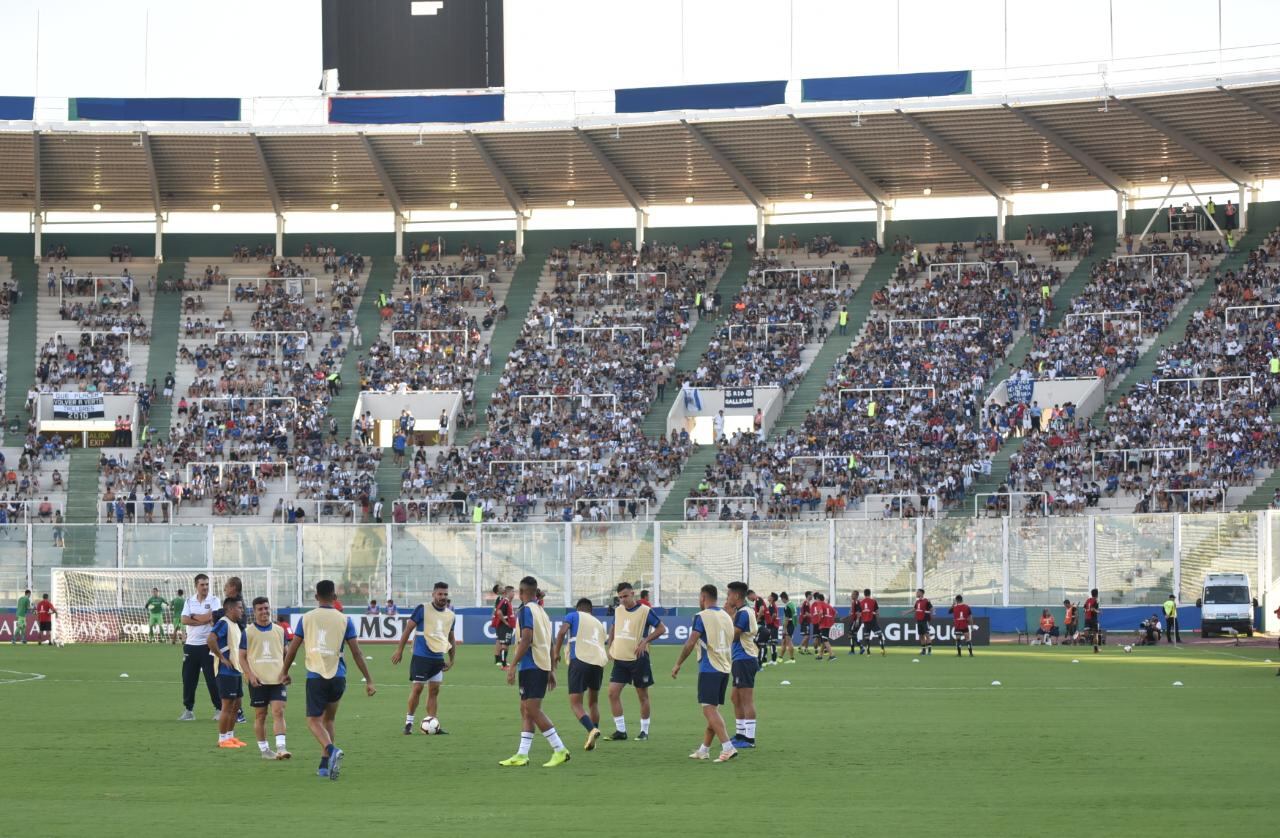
811,384
20,365
382,277
1071,287
162,357
731,282
524,286
1260,497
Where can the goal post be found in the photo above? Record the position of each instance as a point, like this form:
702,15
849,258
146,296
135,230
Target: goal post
109,605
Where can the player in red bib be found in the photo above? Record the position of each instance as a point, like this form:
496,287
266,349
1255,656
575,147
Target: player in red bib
823,615
923,611
963,615
503,623
869,616
1091,610
806,627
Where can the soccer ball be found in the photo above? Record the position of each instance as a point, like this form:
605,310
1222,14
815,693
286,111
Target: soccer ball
430,725
1128,649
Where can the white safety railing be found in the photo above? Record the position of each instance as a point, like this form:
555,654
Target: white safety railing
525,465
154,511
256,282
97,336
932,391
1226,315
431,333
1044,500
1189,493
475,280
823,459
1203,379
716,504
242,338
1125,452
239,404
323,510
800,274
609,277
768,329
1106,316
254,466
585,398
986,267
610,506
920,321
931,506
126,284
1166,258
584,330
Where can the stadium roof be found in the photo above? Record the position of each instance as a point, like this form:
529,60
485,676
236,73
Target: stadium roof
1210,134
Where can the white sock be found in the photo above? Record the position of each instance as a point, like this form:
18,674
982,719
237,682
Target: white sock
280,742
263,745
223,737
750,725
740,727
408,718
726,747
703,749
644,725
553,739
526,742
620,722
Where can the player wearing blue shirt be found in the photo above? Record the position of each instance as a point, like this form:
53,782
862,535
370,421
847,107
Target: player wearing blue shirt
712,635
533,663
325,631
432,630
586,638
224,643
634,627
746,664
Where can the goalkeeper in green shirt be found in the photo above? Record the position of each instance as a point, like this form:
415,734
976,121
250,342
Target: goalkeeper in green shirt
155,616
175,614
20,623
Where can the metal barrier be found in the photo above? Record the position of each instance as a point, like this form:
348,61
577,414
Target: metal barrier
1132,559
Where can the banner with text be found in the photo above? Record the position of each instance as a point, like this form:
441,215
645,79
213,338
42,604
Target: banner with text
79,406
739,397
901,631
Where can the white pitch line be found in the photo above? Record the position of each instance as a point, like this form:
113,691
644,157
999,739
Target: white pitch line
31,676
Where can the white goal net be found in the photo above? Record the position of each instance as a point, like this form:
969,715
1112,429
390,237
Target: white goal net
101,605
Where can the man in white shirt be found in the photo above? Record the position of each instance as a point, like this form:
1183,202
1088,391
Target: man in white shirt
197,618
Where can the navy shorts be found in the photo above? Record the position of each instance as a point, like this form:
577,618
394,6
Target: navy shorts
638,673
423,669
321,692
744,673
263,695
229,687
824,633
806,629
871,627
533,683
791,628
504,633
584,676
711,687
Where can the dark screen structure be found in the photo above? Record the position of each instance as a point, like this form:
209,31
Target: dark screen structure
380,45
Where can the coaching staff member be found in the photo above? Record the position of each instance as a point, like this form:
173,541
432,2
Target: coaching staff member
197,616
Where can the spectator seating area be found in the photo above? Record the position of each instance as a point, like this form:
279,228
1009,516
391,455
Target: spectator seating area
563,431
1197,435
896,429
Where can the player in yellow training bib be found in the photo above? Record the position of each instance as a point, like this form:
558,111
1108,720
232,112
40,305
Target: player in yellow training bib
634,627
712,636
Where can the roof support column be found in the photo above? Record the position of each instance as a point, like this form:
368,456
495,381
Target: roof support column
399,227
37,229
279,235
1122,214
159,238
1242,213
521,223
760,241
1002,211
642,221
883,213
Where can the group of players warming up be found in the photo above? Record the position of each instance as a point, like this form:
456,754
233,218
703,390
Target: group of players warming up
731,640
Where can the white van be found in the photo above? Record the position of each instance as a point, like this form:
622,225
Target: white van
1226,604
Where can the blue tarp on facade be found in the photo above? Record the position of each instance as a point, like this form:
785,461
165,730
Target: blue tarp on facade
156,110
892,86
17,107
689,97
400,110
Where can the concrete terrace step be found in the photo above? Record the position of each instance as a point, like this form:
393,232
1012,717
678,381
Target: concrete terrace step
166,317
524,287
672,508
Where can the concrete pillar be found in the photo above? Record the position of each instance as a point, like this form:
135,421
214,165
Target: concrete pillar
159,238
1122,213
760,241
883,214
521,221
1242,211
280,235
399,223
37,229
642,221
1002,210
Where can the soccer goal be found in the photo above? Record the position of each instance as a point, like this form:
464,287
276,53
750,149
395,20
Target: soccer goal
109,605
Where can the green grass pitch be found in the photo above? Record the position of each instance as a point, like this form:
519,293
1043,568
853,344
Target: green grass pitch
1106,746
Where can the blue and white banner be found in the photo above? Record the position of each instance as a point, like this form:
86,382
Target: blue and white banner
1020,390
